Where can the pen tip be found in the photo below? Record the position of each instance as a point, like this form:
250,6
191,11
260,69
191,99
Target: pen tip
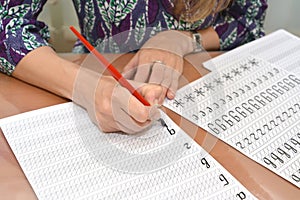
162,122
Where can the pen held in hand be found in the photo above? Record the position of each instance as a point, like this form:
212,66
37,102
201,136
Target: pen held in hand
113,71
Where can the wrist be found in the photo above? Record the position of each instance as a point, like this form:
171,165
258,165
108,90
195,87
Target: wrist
210,40
173,41
197,42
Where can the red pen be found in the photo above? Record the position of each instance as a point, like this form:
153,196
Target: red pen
113,71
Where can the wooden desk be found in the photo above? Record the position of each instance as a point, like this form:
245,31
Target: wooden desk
18,97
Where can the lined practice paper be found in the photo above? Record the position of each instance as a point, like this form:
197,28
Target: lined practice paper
65,156
252,105
280,47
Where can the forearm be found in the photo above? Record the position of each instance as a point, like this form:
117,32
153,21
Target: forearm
42,67
210,39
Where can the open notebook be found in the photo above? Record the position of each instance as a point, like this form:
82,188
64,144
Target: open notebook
65,156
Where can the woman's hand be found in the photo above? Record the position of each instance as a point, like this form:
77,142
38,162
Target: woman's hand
156,67
112,107
160,60
117,109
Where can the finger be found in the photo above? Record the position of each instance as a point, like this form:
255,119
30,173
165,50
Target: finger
131,120
127,124
155,94
143,72
124,121
141,113
174,84
163,95
122,100
167,77
157,74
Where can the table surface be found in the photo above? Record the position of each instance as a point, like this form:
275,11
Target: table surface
18,97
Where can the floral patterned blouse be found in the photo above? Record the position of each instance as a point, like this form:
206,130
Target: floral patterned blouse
21,32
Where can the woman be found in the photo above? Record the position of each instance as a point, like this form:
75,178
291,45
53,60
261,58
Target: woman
26,55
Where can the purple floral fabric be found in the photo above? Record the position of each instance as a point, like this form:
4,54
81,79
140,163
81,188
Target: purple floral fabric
132,22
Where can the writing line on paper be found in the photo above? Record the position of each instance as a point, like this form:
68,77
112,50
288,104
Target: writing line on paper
252,105
55,147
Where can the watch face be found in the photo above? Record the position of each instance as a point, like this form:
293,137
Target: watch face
197,42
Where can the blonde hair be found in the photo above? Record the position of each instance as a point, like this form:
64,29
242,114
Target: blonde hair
193,10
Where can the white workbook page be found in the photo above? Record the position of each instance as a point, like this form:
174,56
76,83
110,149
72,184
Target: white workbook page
65,156
280,47
252,105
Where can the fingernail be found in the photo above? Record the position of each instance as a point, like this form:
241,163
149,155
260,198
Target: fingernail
171,95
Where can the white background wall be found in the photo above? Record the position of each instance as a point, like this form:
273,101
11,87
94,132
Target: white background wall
60,14
283,14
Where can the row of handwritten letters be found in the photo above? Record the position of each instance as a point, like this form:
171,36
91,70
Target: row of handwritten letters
252,105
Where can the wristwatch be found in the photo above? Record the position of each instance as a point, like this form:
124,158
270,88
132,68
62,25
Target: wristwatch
197,41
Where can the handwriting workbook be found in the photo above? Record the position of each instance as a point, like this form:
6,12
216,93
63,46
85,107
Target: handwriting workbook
65,156
251,103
